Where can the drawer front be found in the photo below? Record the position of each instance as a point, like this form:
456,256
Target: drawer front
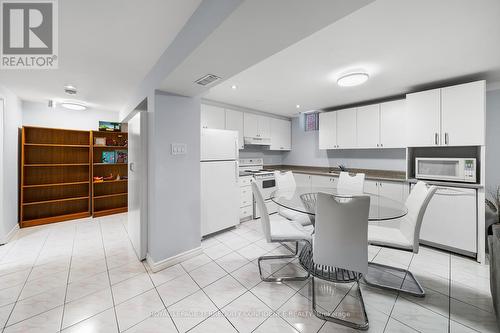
246,211
246,197
245,181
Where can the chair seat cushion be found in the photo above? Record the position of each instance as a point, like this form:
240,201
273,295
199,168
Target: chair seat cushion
387,236
284,229
294,215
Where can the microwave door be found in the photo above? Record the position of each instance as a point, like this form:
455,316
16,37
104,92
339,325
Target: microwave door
442,169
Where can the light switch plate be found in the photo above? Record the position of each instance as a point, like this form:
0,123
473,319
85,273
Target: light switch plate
179,149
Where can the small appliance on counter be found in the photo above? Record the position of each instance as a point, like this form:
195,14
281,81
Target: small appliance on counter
446,169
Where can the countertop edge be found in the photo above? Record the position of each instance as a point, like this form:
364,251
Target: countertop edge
444,183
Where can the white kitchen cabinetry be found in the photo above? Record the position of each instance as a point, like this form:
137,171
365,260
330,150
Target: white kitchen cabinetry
368,126
281,134
423,118
328,130
246,197
463,115
450,221
302,180
324,181
346,128
212,117
256,126
234,121
387,189
451,116
393,124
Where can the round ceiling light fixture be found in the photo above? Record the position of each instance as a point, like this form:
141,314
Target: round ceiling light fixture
352,79
297,106
75,106
234,87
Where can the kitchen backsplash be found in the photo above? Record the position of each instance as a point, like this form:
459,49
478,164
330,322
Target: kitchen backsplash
270,157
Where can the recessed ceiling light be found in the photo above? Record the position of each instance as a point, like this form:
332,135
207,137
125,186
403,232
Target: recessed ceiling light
352,79
234,87
297,106
74,106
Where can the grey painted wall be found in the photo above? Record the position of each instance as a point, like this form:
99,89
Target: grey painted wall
173,181
39,114
305,152
9,186
492,139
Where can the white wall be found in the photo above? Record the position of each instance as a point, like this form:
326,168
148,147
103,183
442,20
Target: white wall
305,151
9,186
39,114
492,140
173,181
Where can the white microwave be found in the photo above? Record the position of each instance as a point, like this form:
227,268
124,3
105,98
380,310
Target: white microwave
448,169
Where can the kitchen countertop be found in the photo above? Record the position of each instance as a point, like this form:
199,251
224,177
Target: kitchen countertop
388,175
245,174
444,183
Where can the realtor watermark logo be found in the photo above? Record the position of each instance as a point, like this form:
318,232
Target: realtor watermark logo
29,34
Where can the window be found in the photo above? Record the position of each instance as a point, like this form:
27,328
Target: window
311,121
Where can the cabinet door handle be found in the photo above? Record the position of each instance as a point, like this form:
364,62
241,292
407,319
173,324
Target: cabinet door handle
445,138
436,138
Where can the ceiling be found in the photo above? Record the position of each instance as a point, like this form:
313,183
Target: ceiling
404,46
105,49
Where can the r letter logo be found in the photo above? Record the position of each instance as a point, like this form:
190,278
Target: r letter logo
29,34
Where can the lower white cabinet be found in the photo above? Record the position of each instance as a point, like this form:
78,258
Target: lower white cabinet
450,221
246,197
302,179
324,181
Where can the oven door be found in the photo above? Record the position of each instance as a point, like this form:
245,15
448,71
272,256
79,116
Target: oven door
267,187
440,169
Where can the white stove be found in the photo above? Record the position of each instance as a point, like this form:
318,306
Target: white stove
264,179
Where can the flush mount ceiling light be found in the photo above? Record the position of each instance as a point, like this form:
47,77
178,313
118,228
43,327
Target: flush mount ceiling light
352,79
234,87
76,106
70,89
297,106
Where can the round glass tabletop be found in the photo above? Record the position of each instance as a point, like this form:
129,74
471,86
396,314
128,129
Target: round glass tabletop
303,200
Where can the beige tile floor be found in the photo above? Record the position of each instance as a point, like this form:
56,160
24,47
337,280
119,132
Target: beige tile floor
83,276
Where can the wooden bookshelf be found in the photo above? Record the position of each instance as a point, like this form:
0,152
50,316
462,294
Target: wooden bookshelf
109,196
55,175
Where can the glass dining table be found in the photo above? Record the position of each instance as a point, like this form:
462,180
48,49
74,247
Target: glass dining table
303,200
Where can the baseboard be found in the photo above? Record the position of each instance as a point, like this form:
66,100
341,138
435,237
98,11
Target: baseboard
162,264
10,234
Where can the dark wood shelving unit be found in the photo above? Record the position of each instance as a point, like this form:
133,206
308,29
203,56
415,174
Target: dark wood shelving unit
55,175
109,196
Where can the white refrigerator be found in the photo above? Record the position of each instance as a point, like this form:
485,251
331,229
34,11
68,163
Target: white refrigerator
220,192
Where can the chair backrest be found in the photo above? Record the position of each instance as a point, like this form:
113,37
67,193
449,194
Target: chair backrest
416,203
285,180
264,214
341,232
351,183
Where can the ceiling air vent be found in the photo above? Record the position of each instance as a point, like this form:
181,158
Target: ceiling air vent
207,79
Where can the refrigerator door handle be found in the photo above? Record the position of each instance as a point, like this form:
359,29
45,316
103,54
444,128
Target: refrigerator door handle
236,174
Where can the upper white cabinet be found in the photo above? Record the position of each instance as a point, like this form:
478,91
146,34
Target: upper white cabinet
423,118
212,117
234,121
392,124
368,126
451,116
463,114
328,130
346,128
256,126
281,134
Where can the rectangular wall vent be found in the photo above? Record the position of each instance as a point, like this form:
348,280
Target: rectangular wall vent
207,79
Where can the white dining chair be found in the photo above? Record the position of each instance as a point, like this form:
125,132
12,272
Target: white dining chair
278,229
354,183
339,252
286,181
401,234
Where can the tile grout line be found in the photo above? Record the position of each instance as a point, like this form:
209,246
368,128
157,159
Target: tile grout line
67,278
25,281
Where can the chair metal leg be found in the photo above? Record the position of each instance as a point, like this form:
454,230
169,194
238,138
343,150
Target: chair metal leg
277,257
393,278
364,325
